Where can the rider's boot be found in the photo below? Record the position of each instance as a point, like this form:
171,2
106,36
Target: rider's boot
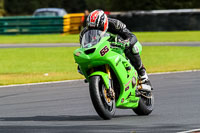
144,79
142,74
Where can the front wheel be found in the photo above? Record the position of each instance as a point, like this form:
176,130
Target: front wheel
104,106
146,104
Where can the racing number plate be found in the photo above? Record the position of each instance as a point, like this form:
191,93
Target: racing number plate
104,51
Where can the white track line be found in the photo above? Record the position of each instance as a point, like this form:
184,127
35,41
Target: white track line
65,81
41,83
190,131
174,72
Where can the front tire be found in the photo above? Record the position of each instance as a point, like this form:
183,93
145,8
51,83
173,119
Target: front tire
104,106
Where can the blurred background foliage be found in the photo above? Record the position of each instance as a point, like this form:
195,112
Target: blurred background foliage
2,11
27,7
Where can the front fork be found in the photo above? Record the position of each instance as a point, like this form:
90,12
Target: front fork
110,90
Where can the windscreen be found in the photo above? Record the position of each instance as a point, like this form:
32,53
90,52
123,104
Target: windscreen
92,37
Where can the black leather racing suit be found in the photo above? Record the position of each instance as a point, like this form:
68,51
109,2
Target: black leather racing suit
117,27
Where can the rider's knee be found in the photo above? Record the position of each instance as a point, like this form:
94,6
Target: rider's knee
135,49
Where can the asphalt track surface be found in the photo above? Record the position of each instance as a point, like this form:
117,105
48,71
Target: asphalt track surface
66,107
193,44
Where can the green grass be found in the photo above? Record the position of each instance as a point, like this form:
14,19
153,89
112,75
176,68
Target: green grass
43,38
170,58
180,36
28,65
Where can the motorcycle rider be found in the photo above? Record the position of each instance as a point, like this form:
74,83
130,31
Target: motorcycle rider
99,20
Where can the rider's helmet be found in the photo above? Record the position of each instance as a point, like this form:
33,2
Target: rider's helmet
98,19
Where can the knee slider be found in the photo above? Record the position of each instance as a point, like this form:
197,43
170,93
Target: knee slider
135,49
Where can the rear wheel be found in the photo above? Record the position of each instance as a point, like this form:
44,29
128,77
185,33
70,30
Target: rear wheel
146,104
104,106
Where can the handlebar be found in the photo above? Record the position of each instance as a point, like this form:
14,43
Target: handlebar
114,44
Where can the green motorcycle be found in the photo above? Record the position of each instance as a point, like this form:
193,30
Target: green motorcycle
113,81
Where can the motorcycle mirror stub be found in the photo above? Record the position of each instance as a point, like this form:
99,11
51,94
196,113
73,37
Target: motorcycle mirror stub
78,53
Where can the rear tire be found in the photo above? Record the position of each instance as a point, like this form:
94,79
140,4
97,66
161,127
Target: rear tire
104,107
146,105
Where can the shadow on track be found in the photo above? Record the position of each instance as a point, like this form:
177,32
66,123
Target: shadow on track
53,118
61,118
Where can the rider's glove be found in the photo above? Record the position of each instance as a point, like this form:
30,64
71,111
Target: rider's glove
124,43
120,42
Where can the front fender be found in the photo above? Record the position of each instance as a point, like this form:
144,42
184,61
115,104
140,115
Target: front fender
104,77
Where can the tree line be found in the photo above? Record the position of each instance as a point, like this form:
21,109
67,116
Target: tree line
27,7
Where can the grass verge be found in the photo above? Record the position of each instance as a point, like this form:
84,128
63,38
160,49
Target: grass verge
30,65
178,36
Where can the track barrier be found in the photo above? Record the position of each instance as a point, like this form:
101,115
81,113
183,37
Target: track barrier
70,23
